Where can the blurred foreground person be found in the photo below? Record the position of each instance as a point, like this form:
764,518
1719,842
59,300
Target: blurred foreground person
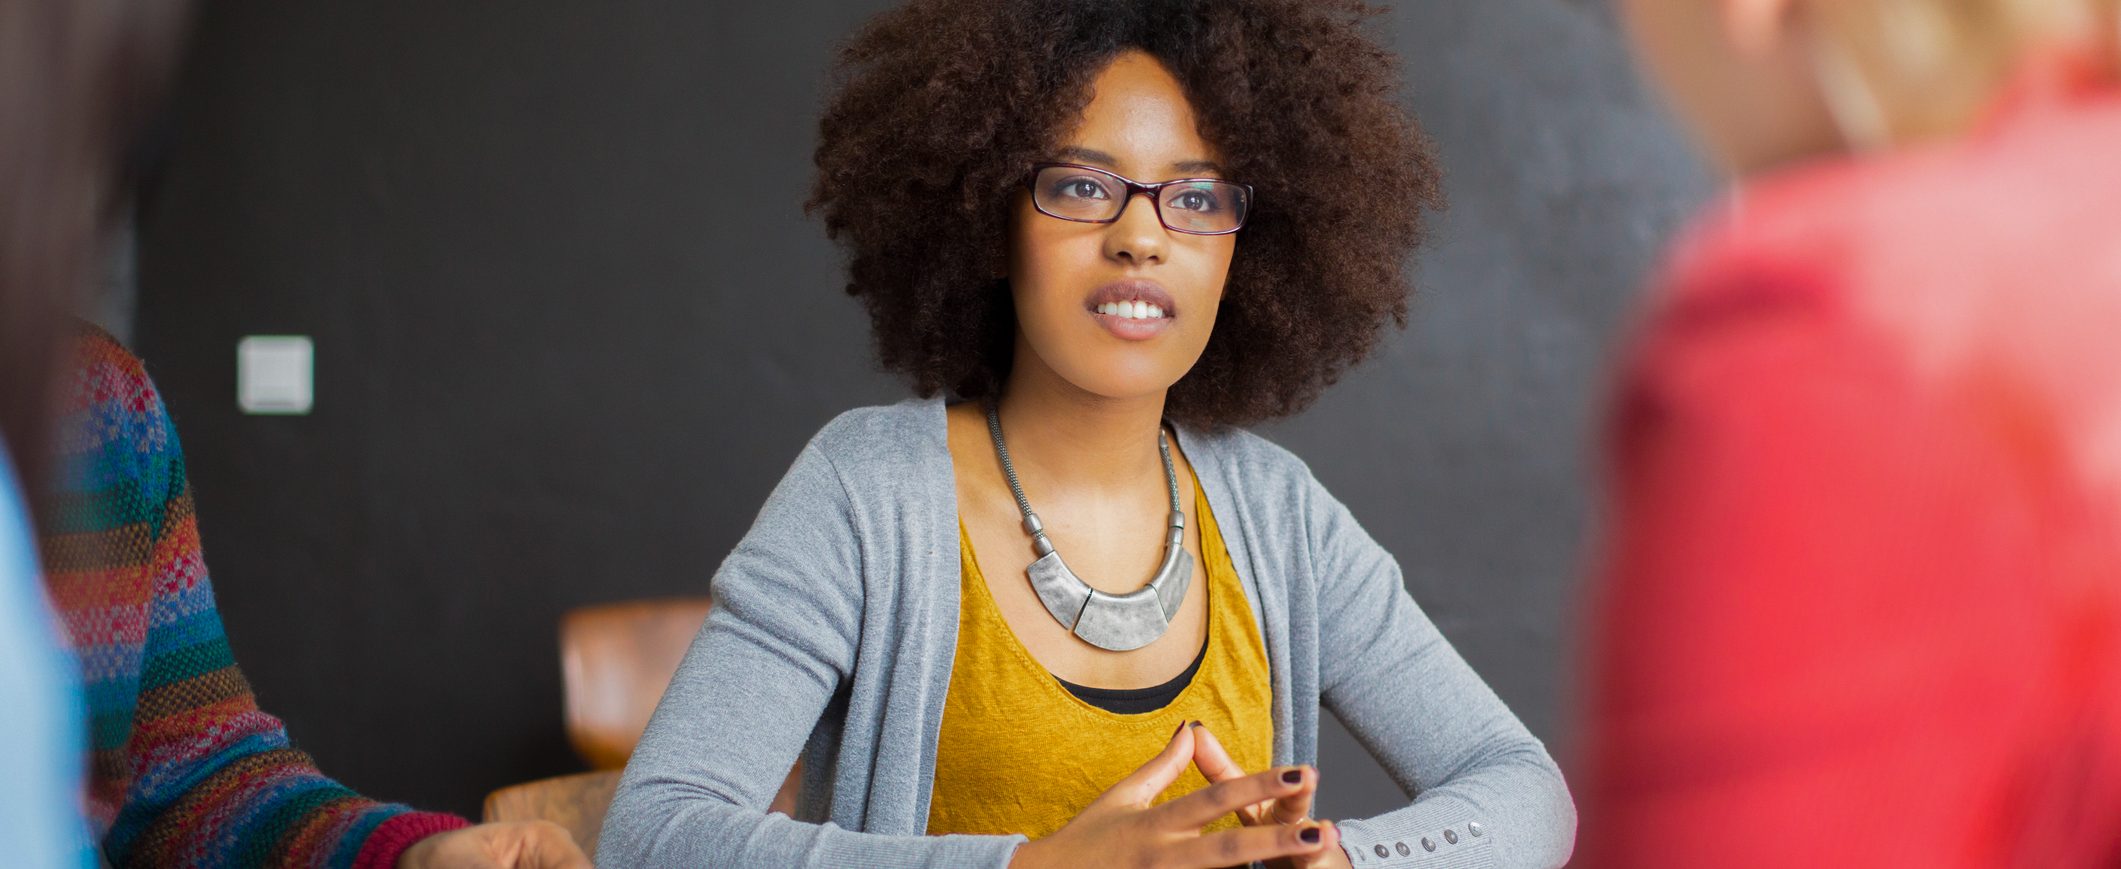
40,705
73,76
1861,596
183,769
186,770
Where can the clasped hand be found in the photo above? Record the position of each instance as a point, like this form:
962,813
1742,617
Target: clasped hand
508,845
1122,829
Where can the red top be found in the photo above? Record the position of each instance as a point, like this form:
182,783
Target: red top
1860,599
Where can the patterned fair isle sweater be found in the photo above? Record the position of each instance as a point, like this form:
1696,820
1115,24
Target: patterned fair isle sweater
185,769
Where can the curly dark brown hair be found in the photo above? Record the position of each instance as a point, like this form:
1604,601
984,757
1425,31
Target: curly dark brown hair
943,105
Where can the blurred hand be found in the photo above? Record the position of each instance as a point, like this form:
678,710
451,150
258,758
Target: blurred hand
512,845
1121,829
1289,808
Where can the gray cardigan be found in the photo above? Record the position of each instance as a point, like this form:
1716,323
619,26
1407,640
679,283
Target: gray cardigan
835,626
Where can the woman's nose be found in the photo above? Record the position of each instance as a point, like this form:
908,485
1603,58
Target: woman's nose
1138,236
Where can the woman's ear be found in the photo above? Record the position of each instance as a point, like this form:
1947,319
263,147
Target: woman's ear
1758,29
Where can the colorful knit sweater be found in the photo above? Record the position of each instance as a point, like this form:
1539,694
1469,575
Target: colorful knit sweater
185,769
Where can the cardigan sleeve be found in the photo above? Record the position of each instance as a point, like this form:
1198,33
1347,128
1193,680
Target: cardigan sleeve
1486,793
201,775
777,646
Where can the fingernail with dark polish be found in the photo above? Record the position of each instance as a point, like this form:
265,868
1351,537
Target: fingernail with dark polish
1196,724
1175,733
1309,835
1293,776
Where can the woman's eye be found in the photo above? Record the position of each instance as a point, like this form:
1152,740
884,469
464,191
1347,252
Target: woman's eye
1082,188
1196,200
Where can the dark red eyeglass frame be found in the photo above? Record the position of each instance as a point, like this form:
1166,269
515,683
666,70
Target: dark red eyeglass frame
1135,188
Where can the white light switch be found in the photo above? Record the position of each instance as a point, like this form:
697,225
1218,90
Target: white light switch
274,374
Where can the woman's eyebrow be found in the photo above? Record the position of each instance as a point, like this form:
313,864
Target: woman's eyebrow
1086,155
1077,154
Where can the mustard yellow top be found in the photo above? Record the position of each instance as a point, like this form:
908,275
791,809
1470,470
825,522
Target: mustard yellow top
1018,753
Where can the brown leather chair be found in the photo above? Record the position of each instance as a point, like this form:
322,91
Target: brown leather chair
615,661
575,802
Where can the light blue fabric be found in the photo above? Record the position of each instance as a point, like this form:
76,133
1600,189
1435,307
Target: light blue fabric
41,718
835,627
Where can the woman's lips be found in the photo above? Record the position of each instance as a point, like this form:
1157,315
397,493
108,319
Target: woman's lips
1136,292
1132,328
1132,290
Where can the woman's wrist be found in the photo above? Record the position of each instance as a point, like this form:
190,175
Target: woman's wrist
1026,856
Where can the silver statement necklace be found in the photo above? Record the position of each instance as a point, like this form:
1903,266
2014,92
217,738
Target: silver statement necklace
1121,622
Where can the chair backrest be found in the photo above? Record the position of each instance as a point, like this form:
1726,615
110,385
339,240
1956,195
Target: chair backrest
615,661
575,802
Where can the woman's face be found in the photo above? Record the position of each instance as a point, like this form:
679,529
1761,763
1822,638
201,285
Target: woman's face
1740,73
1068,277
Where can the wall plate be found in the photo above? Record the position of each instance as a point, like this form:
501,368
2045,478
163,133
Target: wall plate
275,374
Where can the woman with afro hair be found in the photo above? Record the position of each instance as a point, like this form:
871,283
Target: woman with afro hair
1061,609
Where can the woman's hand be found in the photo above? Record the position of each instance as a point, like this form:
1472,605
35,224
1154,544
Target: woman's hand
1293,808
1120,829
511,845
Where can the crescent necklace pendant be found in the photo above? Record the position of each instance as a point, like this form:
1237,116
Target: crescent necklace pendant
1115,622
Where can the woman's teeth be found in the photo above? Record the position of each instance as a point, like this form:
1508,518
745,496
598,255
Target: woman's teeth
1131,310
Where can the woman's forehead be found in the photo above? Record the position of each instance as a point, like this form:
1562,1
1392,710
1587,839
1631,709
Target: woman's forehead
1138,123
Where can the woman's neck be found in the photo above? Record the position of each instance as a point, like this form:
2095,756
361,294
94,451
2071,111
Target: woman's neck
1060,432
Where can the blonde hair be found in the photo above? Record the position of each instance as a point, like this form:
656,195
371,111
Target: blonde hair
1895,70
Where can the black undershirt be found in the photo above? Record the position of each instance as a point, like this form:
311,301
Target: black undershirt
1135,701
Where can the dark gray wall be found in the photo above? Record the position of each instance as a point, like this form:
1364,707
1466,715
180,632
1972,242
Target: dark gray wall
571,326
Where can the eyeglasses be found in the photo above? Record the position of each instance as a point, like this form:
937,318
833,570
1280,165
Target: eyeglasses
1195,206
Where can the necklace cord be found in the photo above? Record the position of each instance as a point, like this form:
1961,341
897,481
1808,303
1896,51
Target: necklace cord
1016,487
